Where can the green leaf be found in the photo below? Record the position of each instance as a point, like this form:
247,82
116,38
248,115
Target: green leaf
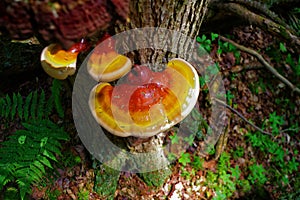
282,47
289,60
14,106
43,141
49,155
8,106
45,161
26,106
20,105
33,107
214,36
190,139
279,154
2,107
39,166
236,172
293,165
41,105
56,88
184,159
174,138
257,174
22,139
197,163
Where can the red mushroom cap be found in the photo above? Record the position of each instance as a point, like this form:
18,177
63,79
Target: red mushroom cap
146,102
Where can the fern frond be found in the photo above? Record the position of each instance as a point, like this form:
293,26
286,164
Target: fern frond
41,106
27,153
20,106
26,106
8,106
2,107
14,106
33,106
56,89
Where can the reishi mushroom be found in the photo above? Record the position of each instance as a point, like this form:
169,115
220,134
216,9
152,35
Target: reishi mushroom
60,63
144,102
105,64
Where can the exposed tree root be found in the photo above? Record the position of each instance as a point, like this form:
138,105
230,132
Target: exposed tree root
241,116
263,62
263,22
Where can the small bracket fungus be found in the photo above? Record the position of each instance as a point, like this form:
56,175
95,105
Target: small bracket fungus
144,103
105,64
59,63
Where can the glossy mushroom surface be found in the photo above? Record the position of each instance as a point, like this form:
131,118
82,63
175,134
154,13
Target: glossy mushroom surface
60,63
144,102
108,66
105,64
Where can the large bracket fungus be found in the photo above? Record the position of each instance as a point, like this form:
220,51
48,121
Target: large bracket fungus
144,103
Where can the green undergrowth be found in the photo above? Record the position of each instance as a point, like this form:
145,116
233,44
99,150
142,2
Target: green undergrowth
27,153
156,178
273,161
106,181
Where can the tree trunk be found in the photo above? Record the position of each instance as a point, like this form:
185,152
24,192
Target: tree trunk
184,16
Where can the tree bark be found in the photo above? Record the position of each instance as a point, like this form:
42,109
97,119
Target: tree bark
184,16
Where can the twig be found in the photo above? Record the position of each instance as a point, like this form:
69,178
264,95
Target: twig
264,62
260,21
241,116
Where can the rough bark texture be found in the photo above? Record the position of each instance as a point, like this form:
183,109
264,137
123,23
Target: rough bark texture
185,16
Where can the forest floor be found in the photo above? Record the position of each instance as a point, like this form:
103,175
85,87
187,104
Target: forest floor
253,165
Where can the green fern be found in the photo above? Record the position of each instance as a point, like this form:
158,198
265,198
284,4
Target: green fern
34,106
27,153
56,89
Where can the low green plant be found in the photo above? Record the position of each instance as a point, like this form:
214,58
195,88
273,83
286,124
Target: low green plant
27,153
281,168
205,78
197,163
257,174
53,195
276,122
229,97
238,152
194,161
10,193
156,178
34,106
226,180
228,47
106,181
83,194
184,159
205,42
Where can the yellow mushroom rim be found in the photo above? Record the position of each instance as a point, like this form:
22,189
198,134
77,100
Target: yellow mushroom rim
57,62
107,66
150,108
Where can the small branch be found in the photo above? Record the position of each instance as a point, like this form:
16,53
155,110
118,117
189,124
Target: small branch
241,116
260,21
264,62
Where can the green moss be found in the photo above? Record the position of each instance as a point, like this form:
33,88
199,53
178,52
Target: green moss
156,178
106,181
